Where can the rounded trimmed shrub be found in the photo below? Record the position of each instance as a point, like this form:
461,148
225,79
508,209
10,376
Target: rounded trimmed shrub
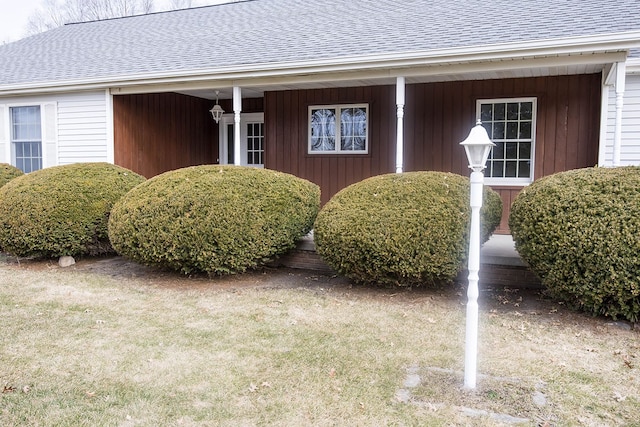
402,229
62,210
8,172
213,219
579,231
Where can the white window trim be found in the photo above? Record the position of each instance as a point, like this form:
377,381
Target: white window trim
338,145
515,182
11,150
245,118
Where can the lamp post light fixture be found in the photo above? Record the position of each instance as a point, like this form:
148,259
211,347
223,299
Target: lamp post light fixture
217,111
477,147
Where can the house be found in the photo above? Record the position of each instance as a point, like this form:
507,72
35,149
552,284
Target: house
332,91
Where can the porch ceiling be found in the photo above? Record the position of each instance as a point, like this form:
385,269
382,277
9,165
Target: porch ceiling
437,74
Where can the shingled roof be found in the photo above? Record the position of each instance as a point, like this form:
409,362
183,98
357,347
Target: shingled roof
260,33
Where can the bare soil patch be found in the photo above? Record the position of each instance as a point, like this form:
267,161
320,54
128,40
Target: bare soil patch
496,299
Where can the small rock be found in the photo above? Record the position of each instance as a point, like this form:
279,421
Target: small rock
66,261
620,325
539,399
403,395
412,380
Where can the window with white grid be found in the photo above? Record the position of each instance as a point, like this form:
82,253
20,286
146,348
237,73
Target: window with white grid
255,143
510,124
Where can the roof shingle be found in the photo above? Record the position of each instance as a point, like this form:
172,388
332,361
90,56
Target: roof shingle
254,32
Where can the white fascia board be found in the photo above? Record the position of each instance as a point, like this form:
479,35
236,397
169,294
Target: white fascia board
633,66
440,57
384,76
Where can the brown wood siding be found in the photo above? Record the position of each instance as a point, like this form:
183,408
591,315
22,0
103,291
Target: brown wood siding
154,133
437,117
440,115
286,124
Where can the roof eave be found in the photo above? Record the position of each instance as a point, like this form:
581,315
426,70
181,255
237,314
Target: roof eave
583,45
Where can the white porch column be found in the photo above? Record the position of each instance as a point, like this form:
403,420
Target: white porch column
604,116
617,136
400,123
237,109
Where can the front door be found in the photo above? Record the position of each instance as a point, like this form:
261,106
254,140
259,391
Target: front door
251,139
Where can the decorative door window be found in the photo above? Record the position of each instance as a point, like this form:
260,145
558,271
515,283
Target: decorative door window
338,129
510,124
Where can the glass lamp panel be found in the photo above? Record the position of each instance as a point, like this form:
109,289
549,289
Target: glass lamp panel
477,154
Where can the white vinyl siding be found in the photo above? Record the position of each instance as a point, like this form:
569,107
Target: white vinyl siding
82,129
74,127
5,131
630,144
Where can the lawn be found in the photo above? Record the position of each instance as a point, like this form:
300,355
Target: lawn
109,343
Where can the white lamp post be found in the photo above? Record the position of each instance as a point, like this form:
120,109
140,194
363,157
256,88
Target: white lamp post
477,146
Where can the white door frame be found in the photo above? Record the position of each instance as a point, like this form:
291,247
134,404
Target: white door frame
225,121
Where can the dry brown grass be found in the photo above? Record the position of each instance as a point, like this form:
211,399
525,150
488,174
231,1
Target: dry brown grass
107,342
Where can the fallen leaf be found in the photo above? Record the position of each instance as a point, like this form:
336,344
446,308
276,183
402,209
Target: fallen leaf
8,389
618,397
90,393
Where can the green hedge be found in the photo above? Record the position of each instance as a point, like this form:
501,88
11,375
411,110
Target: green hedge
213,219
8,172
61,210
402,229
580,233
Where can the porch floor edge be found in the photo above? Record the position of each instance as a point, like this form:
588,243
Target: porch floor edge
501,265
